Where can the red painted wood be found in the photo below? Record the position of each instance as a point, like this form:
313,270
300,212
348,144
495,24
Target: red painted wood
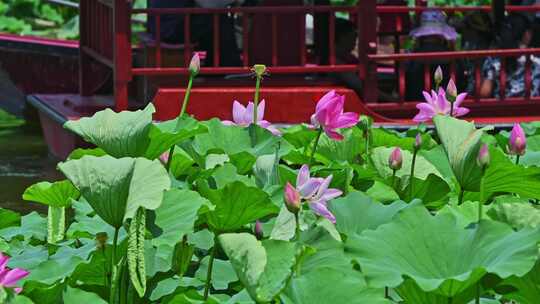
283,104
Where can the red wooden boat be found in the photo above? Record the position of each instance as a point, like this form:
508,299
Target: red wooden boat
156,71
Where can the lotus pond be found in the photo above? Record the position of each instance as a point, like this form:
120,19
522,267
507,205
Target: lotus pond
338,211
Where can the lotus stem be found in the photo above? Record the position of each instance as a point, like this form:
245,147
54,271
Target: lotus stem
411,178
517,159
393,178
315,144
182,112
386,293
210,267
477,300
186,100
481,202
451,109
297,226
367,142
450,300
113,269
256,98
460,197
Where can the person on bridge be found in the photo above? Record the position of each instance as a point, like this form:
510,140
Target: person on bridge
433,35
515,33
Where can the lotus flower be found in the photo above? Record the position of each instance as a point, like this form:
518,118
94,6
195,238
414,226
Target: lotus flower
243,116
395,160
518,142
438,76
292,198
451,91
195,65
10,277
437,104
316,193
483,158
329,115
258,230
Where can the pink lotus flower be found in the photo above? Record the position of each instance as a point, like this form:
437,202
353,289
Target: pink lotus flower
195,64
292,198
518,142
483,158
258,230
437,104
10,277
438,76
243,116
395,160
329,115
315,192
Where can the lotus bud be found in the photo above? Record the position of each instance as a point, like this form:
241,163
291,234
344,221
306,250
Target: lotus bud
484,158
292,198
518,142
258,230
259,70
418,142
395,161
451,91
438,76
195,65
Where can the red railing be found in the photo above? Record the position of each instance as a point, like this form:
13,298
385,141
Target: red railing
453,57
365,13
105,38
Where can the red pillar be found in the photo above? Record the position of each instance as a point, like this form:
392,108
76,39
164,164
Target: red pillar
367,44
122,52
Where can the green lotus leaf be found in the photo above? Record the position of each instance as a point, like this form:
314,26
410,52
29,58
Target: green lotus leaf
526,289
345,151
87,224
119,134
222,273
57,194
423,167
461,141
504,176
177,215
237,205
32,226
324,285
517,215
132,134
263,267
55,267
440,255
116,188
236,143
76,295
9,218
357,212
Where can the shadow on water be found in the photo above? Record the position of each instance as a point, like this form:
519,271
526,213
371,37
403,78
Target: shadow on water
24,160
